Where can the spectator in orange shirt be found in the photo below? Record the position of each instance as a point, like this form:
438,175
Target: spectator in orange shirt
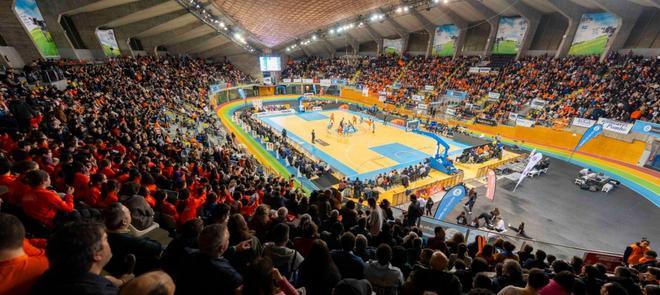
6,178
17,188
18,271
41,203
96,182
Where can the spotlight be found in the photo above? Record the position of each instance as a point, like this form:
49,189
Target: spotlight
313,37
405,8
445,1
374,17
399,9
332,31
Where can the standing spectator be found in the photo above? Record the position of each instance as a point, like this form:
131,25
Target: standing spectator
384,278
286,260
315,279
472,198
415,211
349,265
376,217
18,270
77,253
635,251
262,278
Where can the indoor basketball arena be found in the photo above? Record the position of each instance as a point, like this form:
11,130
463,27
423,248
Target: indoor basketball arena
335,147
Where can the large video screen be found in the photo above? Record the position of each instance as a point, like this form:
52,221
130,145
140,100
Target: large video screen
270,63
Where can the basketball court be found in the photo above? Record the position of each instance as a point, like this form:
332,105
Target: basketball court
365,153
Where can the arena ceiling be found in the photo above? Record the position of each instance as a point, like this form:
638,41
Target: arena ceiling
276,24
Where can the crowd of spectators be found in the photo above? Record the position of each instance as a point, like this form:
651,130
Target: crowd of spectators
307,167
86,171
622,87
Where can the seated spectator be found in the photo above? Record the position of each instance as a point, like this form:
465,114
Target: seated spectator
613,289
262,278
18,270
438,241
350,265
561,284
315,279
461,254
362,248
41,203
142,215
537,262
286,260
77,253
155,282
309,234
206,271
436,279
174,256
384,278
147,251
511,276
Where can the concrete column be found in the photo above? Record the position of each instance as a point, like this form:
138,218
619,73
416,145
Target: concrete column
15,34
429,27
533,18
493,20
629,13
376,37
573,13
353,42
328,46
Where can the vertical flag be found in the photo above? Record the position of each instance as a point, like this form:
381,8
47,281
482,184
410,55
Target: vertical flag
451,198
532,162
492,180
592,132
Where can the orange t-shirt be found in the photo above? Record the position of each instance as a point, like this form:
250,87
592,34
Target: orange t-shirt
19,274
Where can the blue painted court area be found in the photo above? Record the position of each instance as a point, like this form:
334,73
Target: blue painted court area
400,153
312,116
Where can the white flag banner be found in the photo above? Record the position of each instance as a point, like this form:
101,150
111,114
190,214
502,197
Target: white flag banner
533,159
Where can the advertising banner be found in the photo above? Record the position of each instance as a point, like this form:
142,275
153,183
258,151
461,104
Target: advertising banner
592,132
610,261
490,188
416,97
513,116
451,112
524,122
451,198
493,95
455,94
647,128
538,104
325,82
308,81
30,16
108,42
422,106
485,121
533,159
479,70
286,80
298,80
444,41
393,46
615,126
429,87
582,122
510,33
365,91
593,33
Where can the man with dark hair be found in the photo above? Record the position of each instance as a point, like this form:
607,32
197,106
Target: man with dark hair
536,280
206,271
286,260
18,270
415,211
537,262
562,283
384,278
349,264
77,252
147,251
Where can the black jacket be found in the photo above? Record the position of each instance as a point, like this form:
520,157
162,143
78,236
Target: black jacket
60,282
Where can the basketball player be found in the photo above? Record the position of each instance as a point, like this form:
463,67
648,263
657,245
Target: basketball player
313,136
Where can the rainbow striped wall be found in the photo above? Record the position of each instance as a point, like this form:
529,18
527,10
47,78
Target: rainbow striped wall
641,180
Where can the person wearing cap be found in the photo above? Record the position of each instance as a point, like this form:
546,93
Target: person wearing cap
635,251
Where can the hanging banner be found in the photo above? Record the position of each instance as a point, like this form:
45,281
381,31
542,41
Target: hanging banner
108,42
325,82
429,87
30,16
416,97
593,33
592,132
308,81
393,46
286,80
444,41
647,128
582,122
241,93
422,106
451,198
365,91
297,80
510,33
534,158
493,96
615,126
524,122
513,116
491,184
